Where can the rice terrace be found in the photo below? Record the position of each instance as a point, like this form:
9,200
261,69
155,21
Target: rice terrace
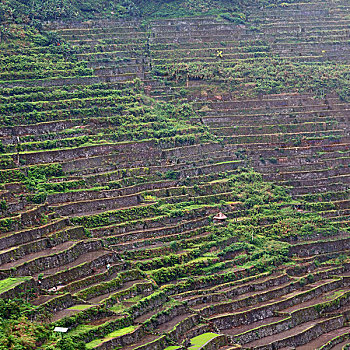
174,174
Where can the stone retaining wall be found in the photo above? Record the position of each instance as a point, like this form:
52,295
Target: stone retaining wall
247,317
56,304
166,316
321,247
67,197
332,343
183,327
307,335
215,343
80,271
158,344
158,233
60,259
85,152
42,244
32,234
85,207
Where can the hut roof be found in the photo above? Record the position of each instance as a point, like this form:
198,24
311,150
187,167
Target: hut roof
220,216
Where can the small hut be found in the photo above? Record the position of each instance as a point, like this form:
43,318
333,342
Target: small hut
219,218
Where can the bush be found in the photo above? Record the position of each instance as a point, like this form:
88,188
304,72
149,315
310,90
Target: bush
172,175
68,344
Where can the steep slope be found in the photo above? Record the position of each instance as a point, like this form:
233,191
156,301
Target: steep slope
120,140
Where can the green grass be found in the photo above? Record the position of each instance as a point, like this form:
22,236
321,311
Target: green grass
198,342
175,347
83,328
118,308
134,299
79,307
11,282
333,295
80,329
112,335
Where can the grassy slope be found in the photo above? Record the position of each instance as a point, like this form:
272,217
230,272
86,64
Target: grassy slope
10,283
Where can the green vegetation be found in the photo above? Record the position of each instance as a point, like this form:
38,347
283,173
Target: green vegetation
79,307
9,283
45,10
16,331
114,334
188,8
48,9
127,126
263,75
200,340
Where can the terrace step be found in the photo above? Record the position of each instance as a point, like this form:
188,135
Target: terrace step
100,275
248,300
292,333
51,259
221,287
83,266
88,207
8,241
112,175
126,287
134,236
325,297
236,292
148,245
56,249
340,346
246,315
145,340
236,331
33,249
319,247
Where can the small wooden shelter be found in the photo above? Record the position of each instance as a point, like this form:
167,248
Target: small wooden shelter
220,217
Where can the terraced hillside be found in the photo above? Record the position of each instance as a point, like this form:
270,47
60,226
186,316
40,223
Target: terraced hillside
121,140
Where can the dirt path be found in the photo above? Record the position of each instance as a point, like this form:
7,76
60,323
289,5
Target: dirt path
166,327
103,320
42,299
63,313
